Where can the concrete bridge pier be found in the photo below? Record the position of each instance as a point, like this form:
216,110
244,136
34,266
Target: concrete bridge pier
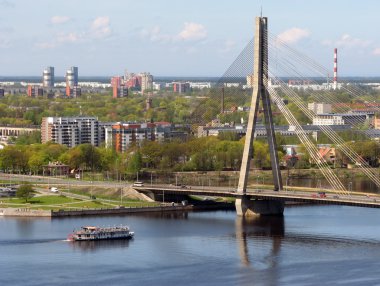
246,207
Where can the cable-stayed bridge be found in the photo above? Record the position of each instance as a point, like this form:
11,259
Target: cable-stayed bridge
267,60
316,196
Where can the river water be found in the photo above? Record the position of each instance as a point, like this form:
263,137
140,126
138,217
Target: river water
310,245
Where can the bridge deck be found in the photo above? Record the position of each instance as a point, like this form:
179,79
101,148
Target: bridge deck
358,200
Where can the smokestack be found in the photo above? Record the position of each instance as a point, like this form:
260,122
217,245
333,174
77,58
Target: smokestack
335,68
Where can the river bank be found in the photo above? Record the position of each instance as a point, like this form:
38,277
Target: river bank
27,212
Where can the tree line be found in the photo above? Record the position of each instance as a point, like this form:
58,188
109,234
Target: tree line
196,154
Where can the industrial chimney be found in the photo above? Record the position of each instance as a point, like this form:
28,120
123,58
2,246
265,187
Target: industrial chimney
335,85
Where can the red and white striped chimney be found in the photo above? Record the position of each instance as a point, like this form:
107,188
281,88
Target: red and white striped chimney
335,68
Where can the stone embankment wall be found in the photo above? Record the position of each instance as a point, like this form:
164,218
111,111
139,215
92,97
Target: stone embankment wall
85,212
24,212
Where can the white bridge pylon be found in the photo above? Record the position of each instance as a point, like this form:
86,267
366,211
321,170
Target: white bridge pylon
260,92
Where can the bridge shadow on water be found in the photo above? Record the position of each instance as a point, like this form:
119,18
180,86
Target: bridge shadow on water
248,228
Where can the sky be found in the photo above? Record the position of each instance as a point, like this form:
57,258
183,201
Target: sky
177,37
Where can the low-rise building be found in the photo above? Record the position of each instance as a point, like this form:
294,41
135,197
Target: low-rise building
181,87
74,91
319,108
7,131
120,136
34,91
328,153
376,122
260,131
343,118
200,85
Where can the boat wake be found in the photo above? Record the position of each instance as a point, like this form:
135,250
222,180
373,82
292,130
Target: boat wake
27,241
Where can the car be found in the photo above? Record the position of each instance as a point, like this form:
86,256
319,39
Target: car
322,194
138,184
77,176
54,190
183,187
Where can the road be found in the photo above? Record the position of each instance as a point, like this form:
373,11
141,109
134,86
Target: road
299,194
331,197
56,182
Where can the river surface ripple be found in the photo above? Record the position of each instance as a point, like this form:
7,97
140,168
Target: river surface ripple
310,245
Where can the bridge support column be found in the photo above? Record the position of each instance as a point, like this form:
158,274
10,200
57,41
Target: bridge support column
244,206
247,207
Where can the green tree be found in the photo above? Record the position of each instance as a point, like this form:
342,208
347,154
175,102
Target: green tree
37,160
152,152
90,156
261,154
134,163
27,139
25,191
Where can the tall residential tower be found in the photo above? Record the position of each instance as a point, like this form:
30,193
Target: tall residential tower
48,77
72,77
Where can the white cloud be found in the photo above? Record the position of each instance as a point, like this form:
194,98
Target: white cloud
293,35
190,32
69,37
56,20
376,52
60,39
155,35
347,41
100,27
193,32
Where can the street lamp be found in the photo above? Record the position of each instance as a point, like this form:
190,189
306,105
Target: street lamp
257,181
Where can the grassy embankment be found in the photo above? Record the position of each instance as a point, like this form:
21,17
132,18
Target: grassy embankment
80,198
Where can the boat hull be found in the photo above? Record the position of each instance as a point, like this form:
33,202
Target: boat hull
101,238
91,233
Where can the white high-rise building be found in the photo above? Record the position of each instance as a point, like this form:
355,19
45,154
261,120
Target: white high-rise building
48,77
72,77
146,81
71,131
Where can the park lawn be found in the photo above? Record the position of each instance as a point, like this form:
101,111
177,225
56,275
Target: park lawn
50,202
42,200
114,198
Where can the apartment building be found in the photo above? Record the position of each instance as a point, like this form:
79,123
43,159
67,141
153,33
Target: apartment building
71,131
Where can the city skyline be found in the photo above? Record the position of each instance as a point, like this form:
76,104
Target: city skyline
167,38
